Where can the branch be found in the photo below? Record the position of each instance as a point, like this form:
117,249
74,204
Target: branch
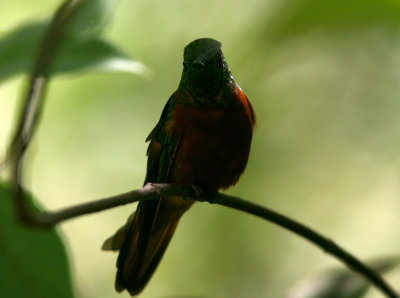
148,192
33,101
154,191
323,242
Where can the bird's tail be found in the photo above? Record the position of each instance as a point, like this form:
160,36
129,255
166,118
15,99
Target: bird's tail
145,239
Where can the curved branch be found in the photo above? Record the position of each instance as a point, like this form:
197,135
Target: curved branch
153,191
34,101
323,242
148,192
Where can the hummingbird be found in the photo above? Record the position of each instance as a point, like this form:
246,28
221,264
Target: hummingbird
202,139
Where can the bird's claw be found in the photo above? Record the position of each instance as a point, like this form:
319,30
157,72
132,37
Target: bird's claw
204,195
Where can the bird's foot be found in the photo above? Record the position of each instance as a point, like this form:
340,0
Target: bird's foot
204,195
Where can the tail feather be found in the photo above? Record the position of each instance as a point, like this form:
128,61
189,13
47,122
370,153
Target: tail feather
146,241
114,242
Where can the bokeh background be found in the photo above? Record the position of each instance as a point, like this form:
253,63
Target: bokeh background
324,80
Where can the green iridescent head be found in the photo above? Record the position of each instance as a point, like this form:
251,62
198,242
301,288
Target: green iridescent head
205,71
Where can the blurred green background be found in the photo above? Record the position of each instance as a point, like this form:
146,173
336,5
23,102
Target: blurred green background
324,80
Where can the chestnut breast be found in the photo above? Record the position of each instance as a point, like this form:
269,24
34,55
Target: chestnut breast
215,146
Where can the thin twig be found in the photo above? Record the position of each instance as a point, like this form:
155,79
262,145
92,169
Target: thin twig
34,101
323,242
153,191
148,192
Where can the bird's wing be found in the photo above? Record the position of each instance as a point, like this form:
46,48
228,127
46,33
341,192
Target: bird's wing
155,221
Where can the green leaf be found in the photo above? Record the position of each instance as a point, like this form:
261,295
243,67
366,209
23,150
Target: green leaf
300,17
341,283
18,48
94,54
34,262
89,18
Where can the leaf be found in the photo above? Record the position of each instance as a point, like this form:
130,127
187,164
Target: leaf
341,283
94,54
300,17
89,18
17,50
34,262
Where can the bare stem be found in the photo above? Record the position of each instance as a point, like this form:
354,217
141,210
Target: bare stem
34,101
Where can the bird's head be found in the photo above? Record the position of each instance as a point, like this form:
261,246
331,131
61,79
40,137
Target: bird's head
205,71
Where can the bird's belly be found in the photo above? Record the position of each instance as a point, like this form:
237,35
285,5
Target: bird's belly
211,159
